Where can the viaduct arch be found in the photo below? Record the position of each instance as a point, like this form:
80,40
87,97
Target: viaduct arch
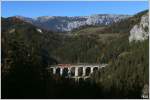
75,71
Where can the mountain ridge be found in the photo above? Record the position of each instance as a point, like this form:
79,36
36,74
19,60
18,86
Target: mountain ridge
65,23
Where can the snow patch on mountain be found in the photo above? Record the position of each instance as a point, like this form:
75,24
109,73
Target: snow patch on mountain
39,30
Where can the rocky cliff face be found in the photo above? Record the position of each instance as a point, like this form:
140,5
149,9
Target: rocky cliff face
140,31
57,23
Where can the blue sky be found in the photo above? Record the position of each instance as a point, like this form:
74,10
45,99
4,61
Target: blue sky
72,8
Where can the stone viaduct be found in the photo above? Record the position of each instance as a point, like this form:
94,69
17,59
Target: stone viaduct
75,71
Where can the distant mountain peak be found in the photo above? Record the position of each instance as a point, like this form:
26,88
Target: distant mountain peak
65,23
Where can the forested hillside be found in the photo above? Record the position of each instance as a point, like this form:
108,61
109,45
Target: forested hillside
25,55
126,75
128,72
27,51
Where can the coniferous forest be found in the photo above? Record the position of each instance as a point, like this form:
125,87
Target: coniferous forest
26,54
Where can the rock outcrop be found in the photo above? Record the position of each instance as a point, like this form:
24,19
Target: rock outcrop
140,31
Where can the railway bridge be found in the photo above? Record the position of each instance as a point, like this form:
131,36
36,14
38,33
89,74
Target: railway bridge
75,71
